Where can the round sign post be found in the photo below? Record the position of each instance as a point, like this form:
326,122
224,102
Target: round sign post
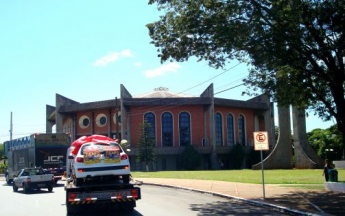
260,144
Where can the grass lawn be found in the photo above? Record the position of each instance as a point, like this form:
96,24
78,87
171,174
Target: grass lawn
295,177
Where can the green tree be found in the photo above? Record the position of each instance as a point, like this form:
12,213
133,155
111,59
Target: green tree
147,153
323,140
294,48
237,156
2,155
189,158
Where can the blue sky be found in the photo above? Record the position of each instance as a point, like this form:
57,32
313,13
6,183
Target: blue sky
84,50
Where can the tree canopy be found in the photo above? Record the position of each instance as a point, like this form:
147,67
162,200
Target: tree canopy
294,49
2,155
326,142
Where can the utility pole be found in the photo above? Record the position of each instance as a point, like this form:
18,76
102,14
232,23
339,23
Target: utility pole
11,128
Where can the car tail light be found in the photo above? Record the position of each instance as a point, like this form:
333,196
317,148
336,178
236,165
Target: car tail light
28,180
80,159
124,157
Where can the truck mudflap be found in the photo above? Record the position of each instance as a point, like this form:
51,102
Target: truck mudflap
114,196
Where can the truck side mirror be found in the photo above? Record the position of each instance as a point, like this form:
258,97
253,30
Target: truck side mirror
70,157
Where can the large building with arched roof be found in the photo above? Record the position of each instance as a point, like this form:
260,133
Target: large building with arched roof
211,125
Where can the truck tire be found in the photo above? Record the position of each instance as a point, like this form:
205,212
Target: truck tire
126,179
8,180
70,210
25,188
15,188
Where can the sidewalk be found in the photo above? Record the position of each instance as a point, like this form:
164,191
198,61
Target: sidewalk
287,199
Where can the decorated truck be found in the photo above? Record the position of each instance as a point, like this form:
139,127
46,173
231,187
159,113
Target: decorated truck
47,151
98,175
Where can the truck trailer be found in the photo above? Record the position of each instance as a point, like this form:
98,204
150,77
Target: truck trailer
37,150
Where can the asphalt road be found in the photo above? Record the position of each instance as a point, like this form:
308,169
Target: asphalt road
155,201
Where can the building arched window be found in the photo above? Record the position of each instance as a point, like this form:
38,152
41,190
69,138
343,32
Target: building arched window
241,130
184,127
167,129
150,118
219,129
230,129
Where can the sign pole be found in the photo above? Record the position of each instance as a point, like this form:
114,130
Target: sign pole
263,178
260,144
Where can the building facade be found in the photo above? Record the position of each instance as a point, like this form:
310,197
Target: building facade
211,125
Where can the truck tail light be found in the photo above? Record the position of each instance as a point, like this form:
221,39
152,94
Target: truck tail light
28,180
71,197
134,194
124,157
80,159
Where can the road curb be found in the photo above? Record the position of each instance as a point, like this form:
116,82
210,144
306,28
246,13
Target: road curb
248,201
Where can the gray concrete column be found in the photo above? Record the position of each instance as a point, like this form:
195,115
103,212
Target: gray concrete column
305,156
281,156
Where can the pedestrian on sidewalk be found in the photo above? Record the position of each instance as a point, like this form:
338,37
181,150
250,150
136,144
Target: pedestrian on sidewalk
326,168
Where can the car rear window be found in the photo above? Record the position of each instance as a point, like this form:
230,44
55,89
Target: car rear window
99,147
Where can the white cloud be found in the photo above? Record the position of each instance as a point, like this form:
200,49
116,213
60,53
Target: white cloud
112,56
137,64
164,69
127,53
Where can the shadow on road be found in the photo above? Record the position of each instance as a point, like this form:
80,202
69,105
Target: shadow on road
231,208
105,212
320,201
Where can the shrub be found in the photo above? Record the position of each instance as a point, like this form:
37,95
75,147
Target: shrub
189,158
237,156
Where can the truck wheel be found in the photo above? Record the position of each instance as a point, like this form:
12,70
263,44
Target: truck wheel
50,188
126,179
8,180
70,210
26,189
15,188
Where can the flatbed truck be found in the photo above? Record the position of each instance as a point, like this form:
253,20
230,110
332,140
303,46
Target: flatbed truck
101,195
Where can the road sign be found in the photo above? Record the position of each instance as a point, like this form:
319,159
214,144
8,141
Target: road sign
261,141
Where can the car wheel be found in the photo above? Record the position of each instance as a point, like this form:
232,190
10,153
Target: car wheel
26,189
50,188
15,188
126,179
